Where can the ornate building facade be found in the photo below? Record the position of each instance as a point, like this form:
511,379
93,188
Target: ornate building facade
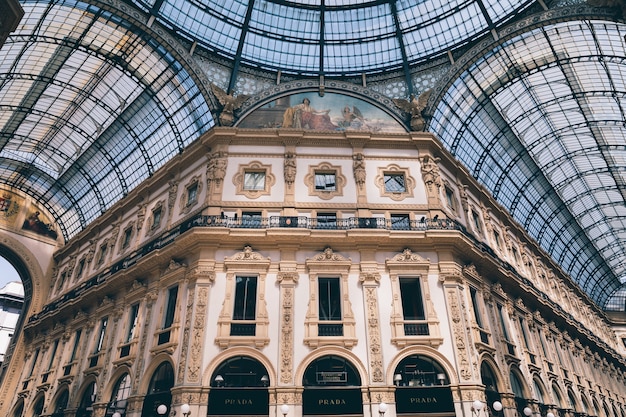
295,272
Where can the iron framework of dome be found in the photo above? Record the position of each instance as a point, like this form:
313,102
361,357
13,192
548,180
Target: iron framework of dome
95,96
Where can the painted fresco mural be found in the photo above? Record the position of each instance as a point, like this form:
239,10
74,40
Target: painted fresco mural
329,112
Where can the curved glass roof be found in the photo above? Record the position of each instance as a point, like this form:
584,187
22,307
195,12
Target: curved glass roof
332,37
90,106
540,121
95,96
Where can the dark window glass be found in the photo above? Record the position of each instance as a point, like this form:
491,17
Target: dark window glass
245,298
103,328
412,303
127,235
81,267
33,363
505,330
156,217
329,299
477,316
76,343
192,193
132,322
53,353
172,295
102,254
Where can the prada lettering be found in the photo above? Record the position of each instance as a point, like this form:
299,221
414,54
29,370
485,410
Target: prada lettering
336,401
423,400
238,401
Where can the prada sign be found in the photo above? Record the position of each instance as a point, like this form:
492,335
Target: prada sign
335,400
424,400
238,401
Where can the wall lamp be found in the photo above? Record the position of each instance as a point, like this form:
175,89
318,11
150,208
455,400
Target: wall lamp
382,409
284,410
161,409
219,380
527,411
185,409
397,378
478,406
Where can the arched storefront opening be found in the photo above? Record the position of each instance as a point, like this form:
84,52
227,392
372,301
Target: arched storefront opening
585,403
422,387
119,396
19,409
159,391
558,399
61,404
85,408
541,398
518,391
489,380
332,386
572,403
38,407
239,387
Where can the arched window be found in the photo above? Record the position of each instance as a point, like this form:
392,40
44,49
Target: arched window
332,385
159,392
489,380
38,408
119,396
422,386
19,409
85,408
61,404
239,387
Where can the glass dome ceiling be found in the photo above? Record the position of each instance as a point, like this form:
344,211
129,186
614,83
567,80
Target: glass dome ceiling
96,95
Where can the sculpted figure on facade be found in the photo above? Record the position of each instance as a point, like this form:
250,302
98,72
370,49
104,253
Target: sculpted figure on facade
430,172
359,169
290,168
216,168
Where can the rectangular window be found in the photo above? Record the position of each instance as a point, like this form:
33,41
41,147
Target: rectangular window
395,183
80,268
33,363
244,306
329,299
476,220
128,232
53,353
170,309
76,343
103,328
496,238
522,325
102,254
245,298
412,304
251,219
327,220
505,331
156,217
477,315
325,181
62,280
132,322
254,180
400,221
192,193
450,198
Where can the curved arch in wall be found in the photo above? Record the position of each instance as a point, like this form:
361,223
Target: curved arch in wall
238,351
35,294
329,351
425,351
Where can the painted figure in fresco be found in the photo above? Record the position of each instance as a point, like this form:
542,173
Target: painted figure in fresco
304,116
352,117
34,223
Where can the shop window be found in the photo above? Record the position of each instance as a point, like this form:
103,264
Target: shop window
159,391
119,396
330,320
244,319
413,318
